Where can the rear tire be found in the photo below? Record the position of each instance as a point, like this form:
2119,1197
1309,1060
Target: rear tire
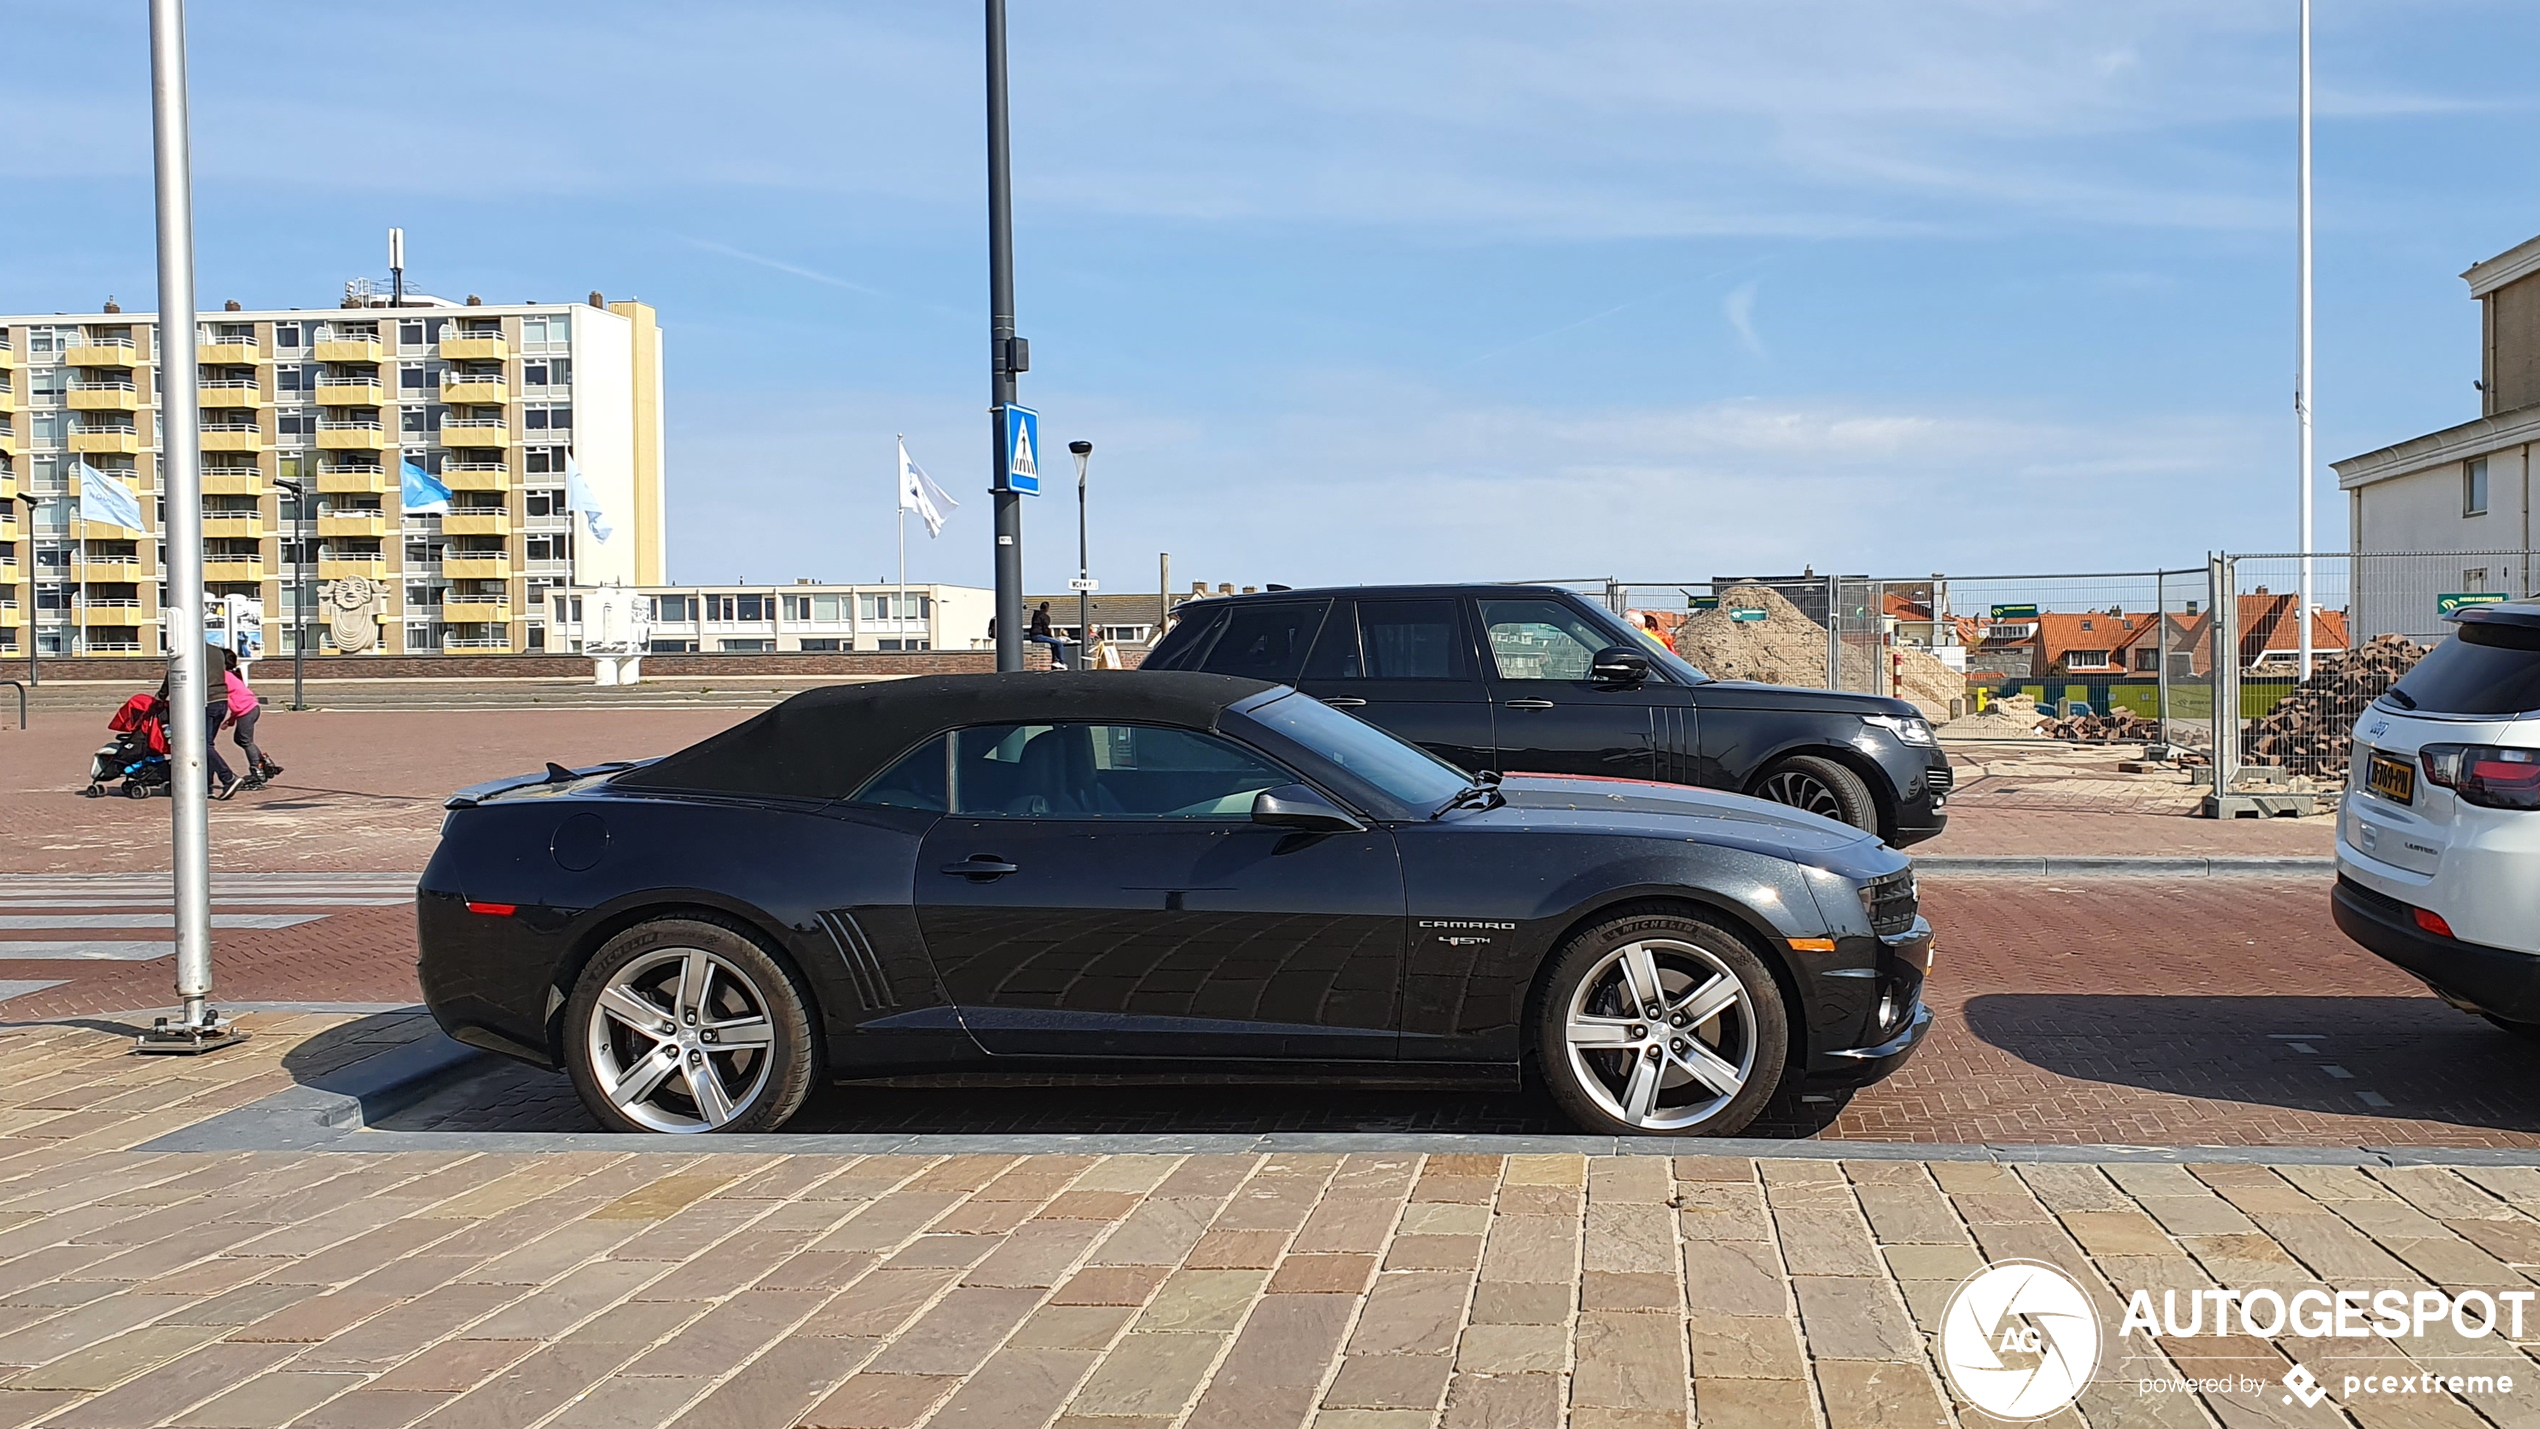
684,1026
1707,1062
1821,786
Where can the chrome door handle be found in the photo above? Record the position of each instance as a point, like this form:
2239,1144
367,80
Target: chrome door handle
1344,702
1530,704
980,865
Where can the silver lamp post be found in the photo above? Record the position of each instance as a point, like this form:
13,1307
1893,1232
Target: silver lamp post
1084,454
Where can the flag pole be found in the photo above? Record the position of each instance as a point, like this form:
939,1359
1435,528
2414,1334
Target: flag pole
2302,344
899,607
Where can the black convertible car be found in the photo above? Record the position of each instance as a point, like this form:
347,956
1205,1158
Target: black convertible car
1162,873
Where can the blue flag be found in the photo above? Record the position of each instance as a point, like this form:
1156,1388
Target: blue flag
106,501
424,493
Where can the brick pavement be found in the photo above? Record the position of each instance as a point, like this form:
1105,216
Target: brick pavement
669,1286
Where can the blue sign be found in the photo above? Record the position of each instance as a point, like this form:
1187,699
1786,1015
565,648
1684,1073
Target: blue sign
1023,450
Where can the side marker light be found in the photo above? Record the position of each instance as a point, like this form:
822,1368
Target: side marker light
1812,945
494,910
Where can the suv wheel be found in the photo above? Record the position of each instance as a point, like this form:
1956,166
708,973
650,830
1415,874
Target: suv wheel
1655,1024
1821,786
681,1025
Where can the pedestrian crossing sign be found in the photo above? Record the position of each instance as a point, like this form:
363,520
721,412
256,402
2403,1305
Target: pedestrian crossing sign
1022,450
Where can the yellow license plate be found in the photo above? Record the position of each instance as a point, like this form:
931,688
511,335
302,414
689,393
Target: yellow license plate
2392,777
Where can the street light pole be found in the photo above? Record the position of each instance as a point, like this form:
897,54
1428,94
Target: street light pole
2302,344
1005,354
300,598
197,1027
1084,454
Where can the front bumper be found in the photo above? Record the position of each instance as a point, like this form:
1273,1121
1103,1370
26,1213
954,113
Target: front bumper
1922,803
1860,1066
2492,980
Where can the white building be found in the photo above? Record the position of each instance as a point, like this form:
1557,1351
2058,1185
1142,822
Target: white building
804,616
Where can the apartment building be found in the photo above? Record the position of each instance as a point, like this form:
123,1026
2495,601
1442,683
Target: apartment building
491,400
809,617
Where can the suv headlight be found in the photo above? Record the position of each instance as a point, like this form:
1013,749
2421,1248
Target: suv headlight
1912,729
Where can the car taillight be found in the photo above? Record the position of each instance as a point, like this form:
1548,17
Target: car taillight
2492,776
2432,922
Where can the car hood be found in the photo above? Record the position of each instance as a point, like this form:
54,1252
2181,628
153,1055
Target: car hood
1640,807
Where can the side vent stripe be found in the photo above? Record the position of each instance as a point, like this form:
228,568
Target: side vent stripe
856,951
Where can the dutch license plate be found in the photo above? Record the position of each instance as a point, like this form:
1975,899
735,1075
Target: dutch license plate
2392,777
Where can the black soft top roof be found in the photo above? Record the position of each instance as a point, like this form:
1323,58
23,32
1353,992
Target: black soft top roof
825,743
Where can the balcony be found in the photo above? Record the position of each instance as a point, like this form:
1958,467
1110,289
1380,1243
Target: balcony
229,392
479,644
124,441
10,616
474,609
233,481
475,565
352,478
120,616
459,522
474,432
8,398
458,388
335,568
228,352
217,567
473,347
232,437
8,356
103,352
344,348
354,523
104,397
233,523
351,392
9,443
106,572
475,475
339,434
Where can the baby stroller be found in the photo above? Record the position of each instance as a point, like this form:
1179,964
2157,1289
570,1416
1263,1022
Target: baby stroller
139,753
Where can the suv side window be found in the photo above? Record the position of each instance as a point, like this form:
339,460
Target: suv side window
1416,639
1540,640
1264,640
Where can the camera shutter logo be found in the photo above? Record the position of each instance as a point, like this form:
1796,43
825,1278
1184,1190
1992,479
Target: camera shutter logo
2020,1340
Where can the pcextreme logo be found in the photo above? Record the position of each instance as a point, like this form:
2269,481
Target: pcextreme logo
2020,1339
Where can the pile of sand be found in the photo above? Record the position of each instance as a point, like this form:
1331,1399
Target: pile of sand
1787,648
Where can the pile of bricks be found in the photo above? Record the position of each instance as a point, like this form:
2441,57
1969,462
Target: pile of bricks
2117,724
2311,730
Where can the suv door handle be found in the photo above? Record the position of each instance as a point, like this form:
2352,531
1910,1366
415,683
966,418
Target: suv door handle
1530,704
1344,702
981,865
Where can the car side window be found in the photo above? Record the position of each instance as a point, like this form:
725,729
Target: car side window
1264,640
1540,640
1411,640
917,781
1106,771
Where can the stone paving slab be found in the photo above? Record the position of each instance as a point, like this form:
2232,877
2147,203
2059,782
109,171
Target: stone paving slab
647,1282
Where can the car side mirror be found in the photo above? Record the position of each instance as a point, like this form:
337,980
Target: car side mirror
1295,806
1619,665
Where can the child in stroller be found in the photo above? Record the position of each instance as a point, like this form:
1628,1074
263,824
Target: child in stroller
139,753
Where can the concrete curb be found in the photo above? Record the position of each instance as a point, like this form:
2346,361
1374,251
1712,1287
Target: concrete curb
320,1113
2120,866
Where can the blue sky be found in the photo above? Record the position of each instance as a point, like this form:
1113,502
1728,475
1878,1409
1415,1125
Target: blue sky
1351,290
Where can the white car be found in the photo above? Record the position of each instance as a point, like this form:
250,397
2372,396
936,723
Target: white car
2438,845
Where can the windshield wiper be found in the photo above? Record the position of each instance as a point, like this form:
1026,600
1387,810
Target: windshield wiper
1482,792
2400,697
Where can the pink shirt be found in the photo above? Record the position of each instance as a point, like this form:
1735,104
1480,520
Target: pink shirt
241,699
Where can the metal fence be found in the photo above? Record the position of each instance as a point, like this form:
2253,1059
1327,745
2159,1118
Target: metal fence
2204,658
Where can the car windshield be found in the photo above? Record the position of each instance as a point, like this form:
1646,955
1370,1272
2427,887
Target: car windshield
1388,775
2490,668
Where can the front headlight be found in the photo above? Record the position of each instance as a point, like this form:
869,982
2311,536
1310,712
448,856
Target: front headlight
1912,729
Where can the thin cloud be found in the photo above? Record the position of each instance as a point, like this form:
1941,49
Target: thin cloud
781,266
1739,308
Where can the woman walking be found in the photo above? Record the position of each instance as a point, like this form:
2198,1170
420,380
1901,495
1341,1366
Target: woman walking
244,705
215,710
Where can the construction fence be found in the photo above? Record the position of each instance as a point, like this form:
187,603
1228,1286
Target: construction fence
2206,662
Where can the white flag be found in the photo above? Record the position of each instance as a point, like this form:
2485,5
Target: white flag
919,493
106,501
579,497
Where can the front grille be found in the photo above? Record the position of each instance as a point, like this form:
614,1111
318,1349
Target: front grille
1940,779
1891,902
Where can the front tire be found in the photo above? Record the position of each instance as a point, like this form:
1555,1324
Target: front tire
1657,1024
1821,786
684,1026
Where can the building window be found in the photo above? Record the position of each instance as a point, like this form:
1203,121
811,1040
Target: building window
746,647
821,647
2087,660
544,459
2474,487
538,417
2148,661
2474,579
292,377
286,335
543,330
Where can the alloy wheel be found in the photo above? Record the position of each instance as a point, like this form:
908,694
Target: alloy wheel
680,1040
1660,1034
1804,791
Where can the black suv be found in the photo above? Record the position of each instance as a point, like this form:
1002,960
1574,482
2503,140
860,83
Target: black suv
1540,680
